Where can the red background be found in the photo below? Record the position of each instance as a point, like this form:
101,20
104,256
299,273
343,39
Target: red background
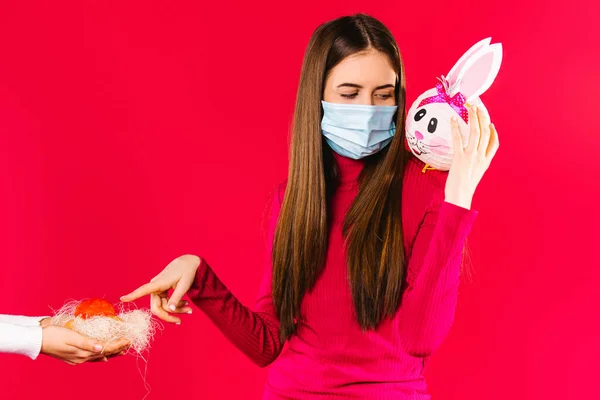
133,133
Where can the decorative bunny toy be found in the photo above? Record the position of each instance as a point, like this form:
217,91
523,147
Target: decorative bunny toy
428,121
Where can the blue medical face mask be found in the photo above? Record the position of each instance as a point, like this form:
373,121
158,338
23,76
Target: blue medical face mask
357,131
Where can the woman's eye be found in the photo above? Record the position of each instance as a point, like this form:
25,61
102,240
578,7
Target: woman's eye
385,96
349,96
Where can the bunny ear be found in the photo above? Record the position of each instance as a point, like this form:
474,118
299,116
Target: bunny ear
479,72
455,71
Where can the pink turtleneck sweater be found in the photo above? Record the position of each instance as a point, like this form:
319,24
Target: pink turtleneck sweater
329,356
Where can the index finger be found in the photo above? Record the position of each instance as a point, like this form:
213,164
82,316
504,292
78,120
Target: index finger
484,129
475,133
144,290
456,135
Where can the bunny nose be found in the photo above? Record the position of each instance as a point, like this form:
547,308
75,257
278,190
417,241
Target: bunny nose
419,135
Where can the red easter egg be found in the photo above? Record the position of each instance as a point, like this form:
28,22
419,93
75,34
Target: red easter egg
95,308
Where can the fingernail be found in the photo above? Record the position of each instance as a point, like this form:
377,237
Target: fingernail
453,119
474,108
98,347
105,359
177,323
172,307
189,312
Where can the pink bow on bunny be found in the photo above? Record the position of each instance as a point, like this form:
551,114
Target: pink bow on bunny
457,102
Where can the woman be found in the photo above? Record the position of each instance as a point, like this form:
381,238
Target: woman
366,249
30,336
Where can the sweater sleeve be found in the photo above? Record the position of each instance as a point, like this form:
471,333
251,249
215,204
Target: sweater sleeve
20,339
21,320
433,274
255,331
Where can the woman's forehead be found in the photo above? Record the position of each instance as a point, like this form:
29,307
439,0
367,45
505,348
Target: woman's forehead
370,69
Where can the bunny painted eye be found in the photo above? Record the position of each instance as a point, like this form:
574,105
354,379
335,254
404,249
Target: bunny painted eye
419,116
432,125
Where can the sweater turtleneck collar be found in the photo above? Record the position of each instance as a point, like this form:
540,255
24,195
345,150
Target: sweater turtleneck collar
349,169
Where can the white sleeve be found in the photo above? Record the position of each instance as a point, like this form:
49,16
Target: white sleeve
19,339
21,320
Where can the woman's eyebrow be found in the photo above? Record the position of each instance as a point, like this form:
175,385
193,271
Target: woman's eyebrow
389,85
354,85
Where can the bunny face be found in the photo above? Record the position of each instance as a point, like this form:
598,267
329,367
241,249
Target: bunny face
428,130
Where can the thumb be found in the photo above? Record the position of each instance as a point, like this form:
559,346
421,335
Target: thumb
181,289
84,343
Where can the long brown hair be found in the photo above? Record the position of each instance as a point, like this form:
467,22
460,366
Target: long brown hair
373,227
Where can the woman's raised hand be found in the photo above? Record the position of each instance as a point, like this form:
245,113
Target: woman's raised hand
179,276
470,163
